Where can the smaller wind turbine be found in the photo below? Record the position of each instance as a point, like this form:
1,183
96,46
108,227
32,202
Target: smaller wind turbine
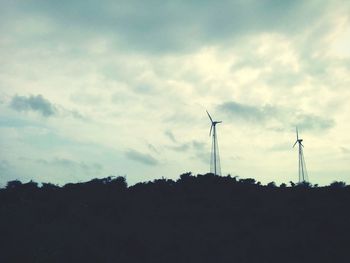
215,159
302,166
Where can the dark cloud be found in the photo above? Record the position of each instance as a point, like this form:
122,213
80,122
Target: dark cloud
33,103
43,106
163,26
283,117
141,157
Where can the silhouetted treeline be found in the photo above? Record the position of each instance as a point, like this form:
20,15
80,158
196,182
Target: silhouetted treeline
202,218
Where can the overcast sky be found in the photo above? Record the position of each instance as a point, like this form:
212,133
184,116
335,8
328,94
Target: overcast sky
96,88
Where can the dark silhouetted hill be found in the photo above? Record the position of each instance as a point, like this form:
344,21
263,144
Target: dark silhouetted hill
202,218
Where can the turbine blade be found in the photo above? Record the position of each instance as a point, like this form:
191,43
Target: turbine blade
211,127
301,144
297,133
209,116
295,144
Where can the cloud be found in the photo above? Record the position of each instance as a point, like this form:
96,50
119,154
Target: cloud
200,151
155,26
141,157
280,147
246,112
33,103
312,122
281,116
345,150
72,113
197,150
71,164
170,135
180,148
204,157
184,147
199,146
152,148
43,106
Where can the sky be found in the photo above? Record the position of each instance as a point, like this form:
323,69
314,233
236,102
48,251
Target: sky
90,89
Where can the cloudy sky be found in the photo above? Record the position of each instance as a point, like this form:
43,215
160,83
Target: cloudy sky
96,88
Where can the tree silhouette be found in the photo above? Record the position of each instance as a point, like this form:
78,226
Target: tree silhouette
337,184
202,218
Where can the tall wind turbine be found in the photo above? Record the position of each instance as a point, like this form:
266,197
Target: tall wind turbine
302,166
215,159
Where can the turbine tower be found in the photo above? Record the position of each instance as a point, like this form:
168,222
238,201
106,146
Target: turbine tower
303,177
214,157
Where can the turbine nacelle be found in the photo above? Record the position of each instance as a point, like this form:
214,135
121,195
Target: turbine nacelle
216,122
213,123
298,140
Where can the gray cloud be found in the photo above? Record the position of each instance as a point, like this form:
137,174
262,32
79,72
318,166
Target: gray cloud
204,157
201,152
198,150
199,146
33,103
312,122
194,145
43,106
152,148
284,117
170,135
144,89
141,157
72,113
246,112
281,147
71,164
162,26
180,148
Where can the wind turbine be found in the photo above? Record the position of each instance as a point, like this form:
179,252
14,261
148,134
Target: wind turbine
302,166
215,159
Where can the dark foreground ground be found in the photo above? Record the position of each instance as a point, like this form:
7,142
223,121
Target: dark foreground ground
195,219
